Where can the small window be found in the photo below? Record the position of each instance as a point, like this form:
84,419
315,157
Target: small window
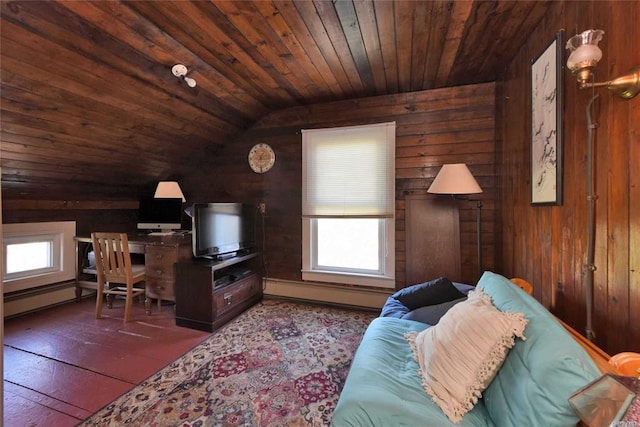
28,258
37,254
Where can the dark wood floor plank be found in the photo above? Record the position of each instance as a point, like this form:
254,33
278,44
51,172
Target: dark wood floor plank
64,382
24,412
112,361
155,337
27,407
63,364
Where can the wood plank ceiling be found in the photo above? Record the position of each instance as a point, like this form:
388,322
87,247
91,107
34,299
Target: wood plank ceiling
89,100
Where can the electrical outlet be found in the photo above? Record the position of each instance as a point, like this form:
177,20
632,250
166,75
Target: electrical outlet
262,207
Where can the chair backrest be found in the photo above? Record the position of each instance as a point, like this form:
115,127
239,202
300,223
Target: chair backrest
113,260
523,284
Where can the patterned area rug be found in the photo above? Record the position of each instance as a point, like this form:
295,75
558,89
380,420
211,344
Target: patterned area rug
277,364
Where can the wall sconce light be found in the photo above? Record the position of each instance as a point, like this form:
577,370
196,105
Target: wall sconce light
169,190
582,60
456,180
180,70
584,57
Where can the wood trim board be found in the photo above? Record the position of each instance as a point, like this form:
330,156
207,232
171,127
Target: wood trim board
432,238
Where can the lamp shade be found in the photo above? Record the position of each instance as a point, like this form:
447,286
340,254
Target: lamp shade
169,190
454,179
584,56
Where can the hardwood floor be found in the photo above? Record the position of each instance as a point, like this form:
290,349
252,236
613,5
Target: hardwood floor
62,364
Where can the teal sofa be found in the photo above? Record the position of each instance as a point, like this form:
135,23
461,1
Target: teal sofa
532,388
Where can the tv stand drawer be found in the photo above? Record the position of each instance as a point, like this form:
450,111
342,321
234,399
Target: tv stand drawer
229,297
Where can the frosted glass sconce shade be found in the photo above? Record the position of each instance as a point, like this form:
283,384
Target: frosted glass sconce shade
585,53
584,57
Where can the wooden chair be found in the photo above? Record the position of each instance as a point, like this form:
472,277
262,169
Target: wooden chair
113,266
523,284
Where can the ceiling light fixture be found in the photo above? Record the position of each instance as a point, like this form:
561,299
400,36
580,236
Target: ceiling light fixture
584,57
180,70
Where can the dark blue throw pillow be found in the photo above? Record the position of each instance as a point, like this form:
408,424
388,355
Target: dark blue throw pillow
429,293
393,308
431,314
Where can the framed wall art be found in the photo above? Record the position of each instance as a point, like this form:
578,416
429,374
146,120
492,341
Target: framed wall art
546,125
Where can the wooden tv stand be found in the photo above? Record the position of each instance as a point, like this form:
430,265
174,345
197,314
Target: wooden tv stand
209,293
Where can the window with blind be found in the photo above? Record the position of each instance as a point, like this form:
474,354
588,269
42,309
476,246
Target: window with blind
348,205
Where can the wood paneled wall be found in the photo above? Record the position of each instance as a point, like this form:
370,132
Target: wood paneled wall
116,216
433,127
547,245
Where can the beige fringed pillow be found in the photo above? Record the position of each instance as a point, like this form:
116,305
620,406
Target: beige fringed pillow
460,355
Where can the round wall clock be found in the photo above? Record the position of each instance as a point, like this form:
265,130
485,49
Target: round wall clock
261,158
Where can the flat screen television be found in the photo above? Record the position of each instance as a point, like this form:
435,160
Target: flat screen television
221,230
162,215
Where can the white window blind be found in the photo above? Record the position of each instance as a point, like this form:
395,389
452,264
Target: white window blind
349,171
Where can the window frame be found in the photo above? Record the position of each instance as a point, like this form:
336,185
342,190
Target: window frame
315,264
385,278
54,261
60,233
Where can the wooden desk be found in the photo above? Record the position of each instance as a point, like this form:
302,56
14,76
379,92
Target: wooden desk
160,255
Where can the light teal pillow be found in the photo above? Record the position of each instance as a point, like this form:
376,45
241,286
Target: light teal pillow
539,375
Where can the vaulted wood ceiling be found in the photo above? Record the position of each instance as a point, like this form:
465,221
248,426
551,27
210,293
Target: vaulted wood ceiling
91,109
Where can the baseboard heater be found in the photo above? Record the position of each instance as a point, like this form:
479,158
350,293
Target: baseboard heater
327,293
35,299
39,290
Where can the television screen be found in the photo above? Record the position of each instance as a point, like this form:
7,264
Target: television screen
160,214
222,228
